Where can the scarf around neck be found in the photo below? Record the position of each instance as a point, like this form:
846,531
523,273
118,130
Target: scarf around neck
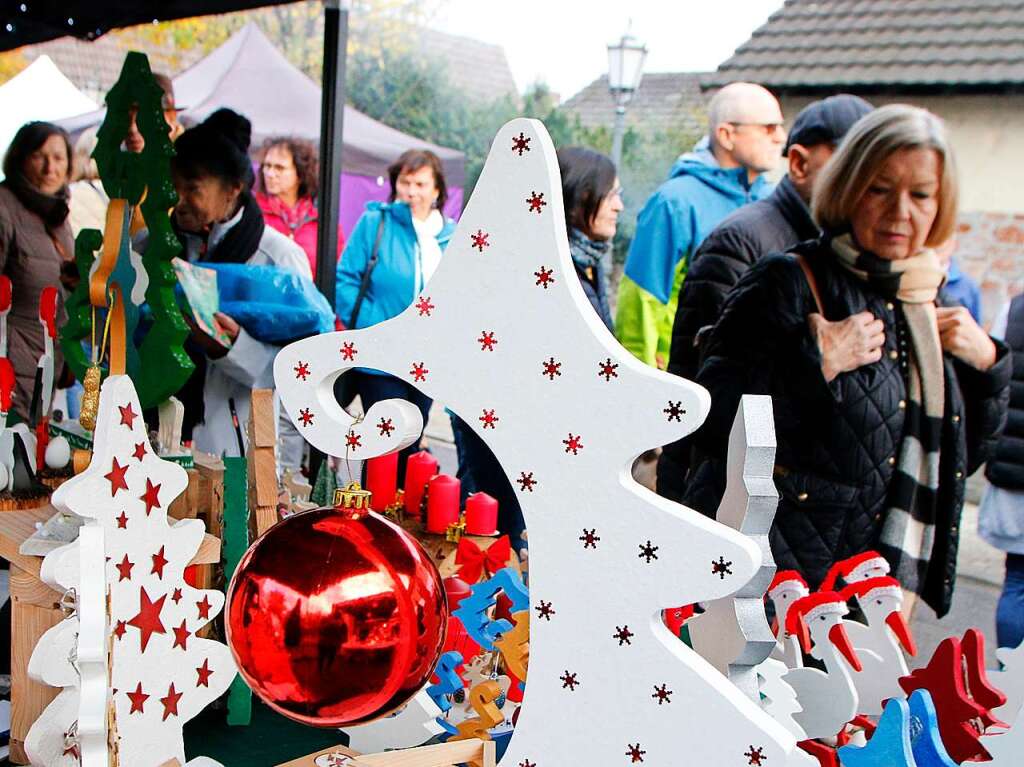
586,253
52,208
908,529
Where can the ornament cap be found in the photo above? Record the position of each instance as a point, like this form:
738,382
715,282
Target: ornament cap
352,496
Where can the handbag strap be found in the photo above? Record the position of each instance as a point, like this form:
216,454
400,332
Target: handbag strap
364,285
812,282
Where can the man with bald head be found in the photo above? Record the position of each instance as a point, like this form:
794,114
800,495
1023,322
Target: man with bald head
723,172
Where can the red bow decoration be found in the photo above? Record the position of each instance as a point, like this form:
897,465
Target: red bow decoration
474,562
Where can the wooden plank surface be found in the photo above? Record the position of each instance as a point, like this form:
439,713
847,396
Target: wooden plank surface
441,755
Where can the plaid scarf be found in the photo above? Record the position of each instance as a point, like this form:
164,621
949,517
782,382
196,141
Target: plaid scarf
908,529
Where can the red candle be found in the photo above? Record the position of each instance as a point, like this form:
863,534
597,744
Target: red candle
442,503
419,469
382,480
481,514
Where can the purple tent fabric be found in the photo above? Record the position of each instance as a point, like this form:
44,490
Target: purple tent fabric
356,191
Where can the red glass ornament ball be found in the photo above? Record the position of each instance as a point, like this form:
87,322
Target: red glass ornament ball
336,617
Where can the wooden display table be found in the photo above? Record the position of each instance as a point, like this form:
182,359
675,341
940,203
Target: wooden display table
34,610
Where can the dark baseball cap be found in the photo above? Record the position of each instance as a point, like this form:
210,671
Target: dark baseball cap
826,121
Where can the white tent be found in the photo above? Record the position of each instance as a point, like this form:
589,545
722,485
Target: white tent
38,92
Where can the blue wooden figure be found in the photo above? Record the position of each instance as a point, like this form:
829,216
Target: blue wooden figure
449,681
924,732
472,610
889,746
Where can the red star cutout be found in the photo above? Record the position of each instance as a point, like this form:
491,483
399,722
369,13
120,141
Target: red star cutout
302,371
205,673
204,607
544,277
140,451
419,371
138,699
148,620
120,629
349,351
307,417
128,416
480,240
536,202
151,496
176,596
424,306
122,521
170,702
124,568
181,635
159,560
116,477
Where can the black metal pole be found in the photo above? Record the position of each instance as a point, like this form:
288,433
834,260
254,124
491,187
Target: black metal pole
332,117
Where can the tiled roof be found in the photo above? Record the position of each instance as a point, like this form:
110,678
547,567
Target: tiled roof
665,100
476,69
865,44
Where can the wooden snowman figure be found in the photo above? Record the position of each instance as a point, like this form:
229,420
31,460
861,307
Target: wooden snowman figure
504,336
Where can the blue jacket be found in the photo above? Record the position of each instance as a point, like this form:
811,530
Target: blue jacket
672,224
963,290
397,278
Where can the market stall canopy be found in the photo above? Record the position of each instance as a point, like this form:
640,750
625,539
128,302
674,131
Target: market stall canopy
249,75
38,92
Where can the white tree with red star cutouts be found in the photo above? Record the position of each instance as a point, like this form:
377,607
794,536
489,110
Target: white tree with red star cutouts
161,673
504,335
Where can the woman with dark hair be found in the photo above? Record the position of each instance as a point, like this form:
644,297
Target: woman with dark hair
218,221
287,190
35,240
593,200
393,251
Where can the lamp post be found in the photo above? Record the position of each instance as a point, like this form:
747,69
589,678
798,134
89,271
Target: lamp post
625,68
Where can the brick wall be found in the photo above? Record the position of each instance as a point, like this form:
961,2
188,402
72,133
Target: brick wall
990,249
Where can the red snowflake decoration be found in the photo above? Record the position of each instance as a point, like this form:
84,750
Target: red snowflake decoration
674,411
424,306
302,371
569,680
544,610
662,693
419,371
544,277
623,634
480,240
489,419
306,415
648,552
527,763
721,568
608,369
590,538
486,341
573,444
386,427
349,351
635,753
521,143
551,369
352,440
526,482
756,756
536,202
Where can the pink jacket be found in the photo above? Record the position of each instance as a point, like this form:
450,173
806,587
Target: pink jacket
299,223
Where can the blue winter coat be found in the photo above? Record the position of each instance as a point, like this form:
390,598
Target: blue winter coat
398,276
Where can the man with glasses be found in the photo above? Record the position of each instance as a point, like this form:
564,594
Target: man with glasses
772,225
723,172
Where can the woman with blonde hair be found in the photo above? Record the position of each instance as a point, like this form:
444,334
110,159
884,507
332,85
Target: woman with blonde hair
885,399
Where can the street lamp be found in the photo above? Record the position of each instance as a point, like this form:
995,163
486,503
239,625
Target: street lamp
625,68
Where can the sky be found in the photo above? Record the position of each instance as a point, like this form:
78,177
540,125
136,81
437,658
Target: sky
564,42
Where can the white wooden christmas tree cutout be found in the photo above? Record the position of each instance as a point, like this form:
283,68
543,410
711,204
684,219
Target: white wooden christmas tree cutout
733,634
162,675
1006,748
505,336
1009,679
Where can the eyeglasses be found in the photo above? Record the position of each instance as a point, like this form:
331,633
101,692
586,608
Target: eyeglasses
274,168
768,128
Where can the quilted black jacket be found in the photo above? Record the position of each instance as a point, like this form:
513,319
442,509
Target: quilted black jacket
835,440
772,225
